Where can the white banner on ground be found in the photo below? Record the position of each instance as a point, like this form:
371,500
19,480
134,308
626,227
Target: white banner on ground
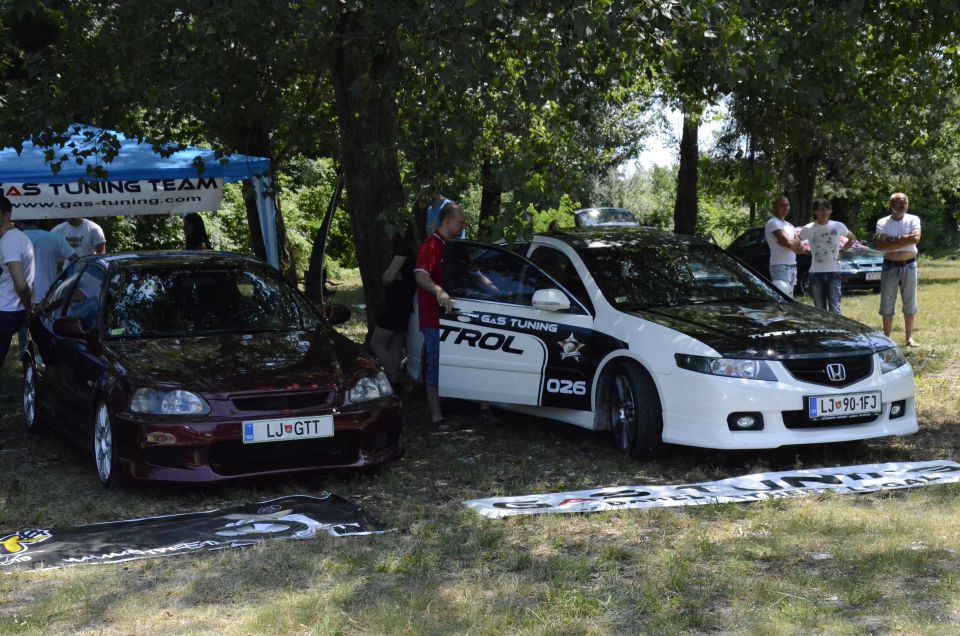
791,483
113,197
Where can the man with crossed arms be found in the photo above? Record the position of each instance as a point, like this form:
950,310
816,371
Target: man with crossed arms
897,237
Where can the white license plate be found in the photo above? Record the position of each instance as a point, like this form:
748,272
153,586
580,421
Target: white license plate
287,428
825,407
873,276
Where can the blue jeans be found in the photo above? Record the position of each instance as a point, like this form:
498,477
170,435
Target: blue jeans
10,323
787,273
825,289
431,340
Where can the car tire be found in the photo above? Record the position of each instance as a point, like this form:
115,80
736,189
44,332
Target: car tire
104,446
31,418
631,408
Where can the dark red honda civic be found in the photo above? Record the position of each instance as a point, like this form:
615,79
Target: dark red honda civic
201,366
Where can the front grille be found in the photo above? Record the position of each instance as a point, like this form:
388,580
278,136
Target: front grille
798,419
235,457
283,401
815,370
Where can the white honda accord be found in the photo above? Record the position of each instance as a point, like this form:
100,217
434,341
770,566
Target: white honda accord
659,338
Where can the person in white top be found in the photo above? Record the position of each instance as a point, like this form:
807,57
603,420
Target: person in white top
16,279
826,245
897,237
784,245
83,235
49,252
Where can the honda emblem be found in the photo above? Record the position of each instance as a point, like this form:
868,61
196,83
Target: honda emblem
836,372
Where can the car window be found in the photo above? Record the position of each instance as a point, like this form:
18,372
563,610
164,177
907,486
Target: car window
59,291
604,216
635,274
155,303
484,272
751,239
559,266
84,300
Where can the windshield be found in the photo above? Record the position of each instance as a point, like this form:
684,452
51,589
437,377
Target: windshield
604,216
635,274
167,303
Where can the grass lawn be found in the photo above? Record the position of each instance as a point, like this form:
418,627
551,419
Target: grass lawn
850,564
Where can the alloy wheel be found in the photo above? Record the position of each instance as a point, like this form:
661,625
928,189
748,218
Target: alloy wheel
103,444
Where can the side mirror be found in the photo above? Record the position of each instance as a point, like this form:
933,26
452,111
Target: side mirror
550,300
338,314
69,328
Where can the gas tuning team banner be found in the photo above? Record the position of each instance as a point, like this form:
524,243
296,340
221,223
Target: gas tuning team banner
113,198
792,483
284,519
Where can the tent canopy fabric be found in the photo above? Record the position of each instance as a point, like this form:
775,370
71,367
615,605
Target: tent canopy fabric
134,161
36,191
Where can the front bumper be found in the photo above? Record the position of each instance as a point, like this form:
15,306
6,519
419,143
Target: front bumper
703,422
212,449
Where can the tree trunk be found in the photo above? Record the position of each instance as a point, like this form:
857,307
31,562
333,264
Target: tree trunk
253,220
491,194
287,266
802,181
367,116
685,207
752,164
252,139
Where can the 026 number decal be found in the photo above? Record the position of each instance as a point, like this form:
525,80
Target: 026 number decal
568,387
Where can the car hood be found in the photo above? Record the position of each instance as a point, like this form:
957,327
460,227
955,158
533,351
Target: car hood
768,330
225,364
862,256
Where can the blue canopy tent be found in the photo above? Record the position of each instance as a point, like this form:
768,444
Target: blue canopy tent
138,180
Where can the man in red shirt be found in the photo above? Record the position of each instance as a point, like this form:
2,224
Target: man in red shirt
431,297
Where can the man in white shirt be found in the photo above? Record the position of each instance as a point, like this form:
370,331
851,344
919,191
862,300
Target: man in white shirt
49,252
16,278
897,237
784,245
825,238
83,235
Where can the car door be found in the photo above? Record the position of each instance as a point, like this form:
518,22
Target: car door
46,347
496,346
77,365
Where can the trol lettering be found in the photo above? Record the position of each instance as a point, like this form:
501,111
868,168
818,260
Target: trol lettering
491,340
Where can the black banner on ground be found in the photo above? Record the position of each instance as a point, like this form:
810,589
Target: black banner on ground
283,519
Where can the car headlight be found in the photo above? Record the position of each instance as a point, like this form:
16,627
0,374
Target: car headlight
370,387
891,359
846,266
176,402
727,367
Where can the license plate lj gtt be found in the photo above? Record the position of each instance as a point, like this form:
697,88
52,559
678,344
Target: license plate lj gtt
287,429
825,407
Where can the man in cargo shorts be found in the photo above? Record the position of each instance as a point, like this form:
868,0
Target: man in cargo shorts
897,237
784,245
